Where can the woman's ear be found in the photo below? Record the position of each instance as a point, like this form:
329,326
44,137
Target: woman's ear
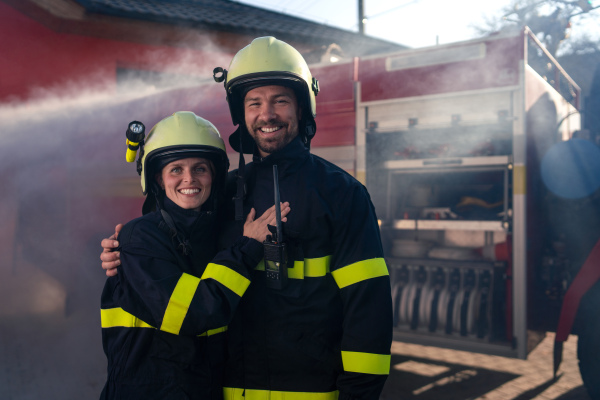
159,180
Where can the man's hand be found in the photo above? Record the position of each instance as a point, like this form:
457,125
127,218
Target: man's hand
111,259
257,229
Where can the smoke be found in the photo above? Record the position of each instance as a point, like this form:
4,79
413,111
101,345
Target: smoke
65,185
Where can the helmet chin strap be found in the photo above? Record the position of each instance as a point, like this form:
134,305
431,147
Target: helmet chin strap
182,243
179,240
239,196
309,130
202,197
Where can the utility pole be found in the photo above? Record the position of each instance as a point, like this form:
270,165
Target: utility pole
361,17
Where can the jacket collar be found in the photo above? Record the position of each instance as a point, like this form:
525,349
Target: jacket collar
288,160
187,221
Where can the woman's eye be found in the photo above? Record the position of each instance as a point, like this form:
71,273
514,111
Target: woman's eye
176,170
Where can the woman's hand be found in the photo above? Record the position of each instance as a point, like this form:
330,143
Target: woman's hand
257,229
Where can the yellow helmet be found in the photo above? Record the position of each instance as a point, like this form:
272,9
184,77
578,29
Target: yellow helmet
268,61
181,135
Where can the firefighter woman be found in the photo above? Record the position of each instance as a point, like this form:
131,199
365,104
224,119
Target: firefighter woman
163,316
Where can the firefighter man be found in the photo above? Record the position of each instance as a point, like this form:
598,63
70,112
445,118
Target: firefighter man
326,332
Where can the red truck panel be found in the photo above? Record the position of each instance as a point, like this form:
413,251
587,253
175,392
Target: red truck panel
494,69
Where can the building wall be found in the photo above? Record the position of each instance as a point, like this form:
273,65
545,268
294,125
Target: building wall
37,59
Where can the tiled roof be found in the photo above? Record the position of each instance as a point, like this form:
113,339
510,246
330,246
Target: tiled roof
227,15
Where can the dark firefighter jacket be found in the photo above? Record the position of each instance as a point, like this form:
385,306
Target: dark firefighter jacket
327,335
163,316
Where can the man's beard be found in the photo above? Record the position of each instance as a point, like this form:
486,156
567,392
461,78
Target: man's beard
272,145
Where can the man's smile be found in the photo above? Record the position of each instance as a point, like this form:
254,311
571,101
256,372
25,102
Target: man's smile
270,130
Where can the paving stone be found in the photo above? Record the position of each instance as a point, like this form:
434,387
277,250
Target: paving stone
495,378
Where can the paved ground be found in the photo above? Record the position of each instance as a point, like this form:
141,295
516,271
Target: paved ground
427,373
47,355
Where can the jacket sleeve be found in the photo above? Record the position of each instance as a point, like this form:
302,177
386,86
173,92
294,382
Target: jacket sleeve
154,290
359,269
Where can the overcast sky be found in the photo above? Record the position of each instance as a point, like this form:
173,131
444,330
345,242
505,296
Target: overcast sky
414,23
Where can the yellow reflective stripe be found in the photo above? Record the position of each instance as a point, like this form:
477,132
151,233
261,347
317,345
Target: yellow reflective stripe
227,277
297,272
113,317
255,394
117,317
366,363
315,267
211,332
519,179
179,303
360,271
310,267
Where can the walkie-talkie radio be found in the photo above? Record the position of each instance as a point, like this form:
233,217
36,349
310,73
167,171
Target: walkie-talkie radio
275,250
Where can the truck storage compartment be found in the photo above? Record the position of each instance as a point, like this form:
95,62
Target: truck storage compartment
439,221
449,300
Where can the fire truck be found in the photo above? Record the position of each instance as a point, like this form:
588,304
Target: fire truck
463,147
487,198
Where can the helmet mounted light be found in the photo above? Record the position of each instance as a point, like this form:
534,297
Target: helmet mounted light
136,131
